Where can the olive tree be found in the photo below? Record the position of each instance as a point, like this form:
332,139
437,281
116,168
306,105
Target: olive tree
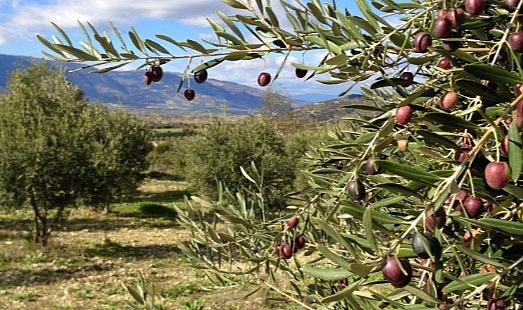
56,149
220,151
39,153
417,207
117,145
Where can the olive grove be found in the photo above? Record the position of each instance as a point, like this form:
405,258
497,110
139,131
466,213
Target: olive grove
419,205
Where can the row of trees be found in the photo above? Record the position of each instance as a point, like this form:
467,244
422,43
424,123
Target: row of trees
57,150
446,79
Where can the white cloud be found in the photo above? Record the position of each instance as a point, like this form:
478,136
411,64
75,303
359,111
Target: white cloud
31,16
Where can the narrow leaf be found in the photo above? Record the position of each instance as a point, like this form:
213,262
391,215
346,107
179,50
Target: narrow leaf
386,202
407,171
236,4
510,227
78,53
227,20
50,45
392,82
515,152
107,45
367,228
137,41
469,282
480,257
326,274
208,64
107,69
170,40
449,120
437,139
343,294
494,74
197,46
421,294
358,211
62,33
514,190
335,258
327,228
156,46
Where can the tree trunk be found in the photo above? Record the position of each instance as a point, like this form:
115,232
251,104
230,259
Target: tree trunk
41,230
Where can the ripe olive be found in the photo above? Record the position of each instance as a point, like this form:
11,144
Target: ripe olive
397,271
356,190
264,79
422,41
497,174
474,7
201,76
426,245
189,94
442,28
403,114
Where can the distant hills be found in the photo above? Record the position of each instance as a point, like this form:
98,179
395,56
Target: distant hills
127,88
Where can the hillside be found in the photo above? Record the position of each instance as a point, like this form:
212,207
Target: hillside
127,88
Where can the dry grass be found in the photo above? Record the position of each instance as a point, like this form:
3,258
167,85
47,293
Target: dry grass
92,254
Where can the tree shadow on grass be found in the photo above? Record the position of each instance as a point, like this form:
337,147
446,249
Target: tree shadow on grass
166,197
158,217
112,249
109,250
29,277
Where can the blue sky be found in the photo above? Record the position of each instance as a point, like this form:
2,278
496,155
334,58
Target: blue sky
21,20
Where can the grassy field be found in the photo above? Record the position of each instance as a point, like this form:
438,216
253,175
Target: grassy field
92,254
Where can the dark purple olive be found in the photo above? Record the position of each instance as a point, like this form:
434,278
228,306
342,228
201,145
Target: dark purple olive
407,76
156,73
442,28
503,145
448,100
403,114
201,76
474,206
515,41
372,169
456,17
422,41
147,78
397,271
293,222
300,242
189,94
356,190
495,304
286,251
300,73
444,63
264,79
474,7
436,219
497,174
425,245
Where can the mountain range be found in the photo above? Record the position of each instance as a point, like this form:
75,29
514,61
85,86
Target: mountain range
127,88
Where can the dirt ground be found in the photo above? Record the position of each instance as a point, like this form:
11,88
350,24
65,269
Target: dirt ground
92,255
